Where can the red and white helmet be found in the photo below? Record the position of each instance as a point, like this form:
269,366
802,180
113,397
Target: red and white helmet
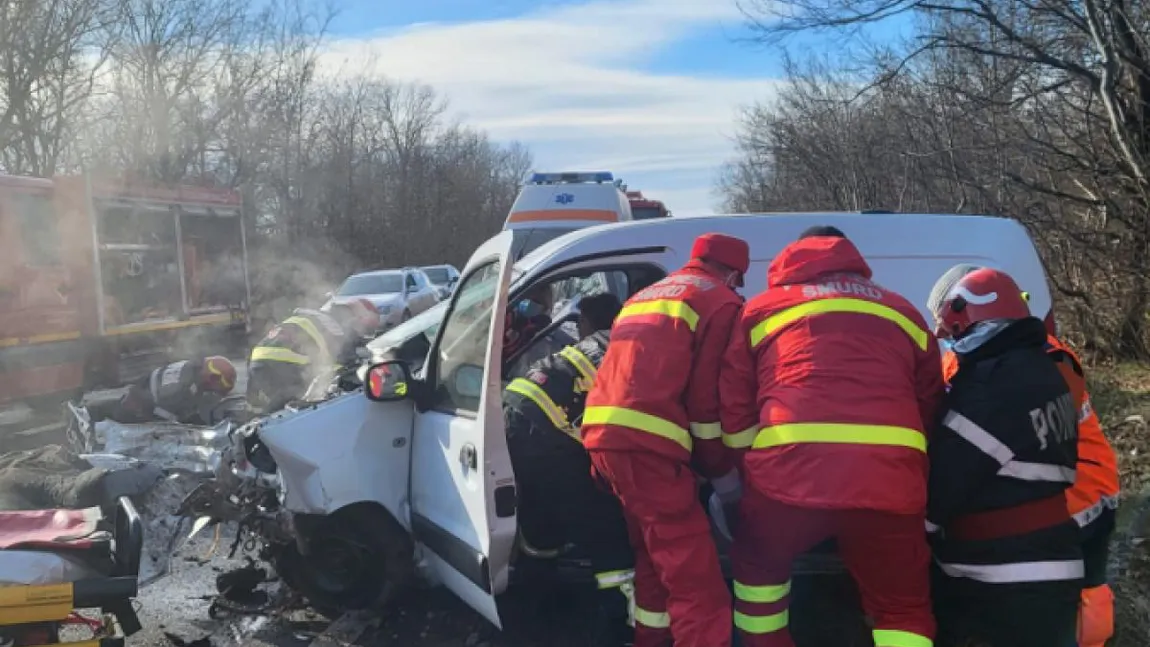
981,295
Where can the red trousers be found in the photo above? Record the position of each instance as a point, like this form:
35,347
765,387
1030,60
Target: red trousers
887,555
679,587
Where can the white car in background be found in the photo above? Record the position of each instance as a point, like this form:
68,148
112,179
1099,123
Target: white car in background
398,294
443,277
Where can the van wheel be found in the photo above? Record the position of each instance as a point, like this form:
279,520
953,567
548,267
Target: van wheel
360,558
406,316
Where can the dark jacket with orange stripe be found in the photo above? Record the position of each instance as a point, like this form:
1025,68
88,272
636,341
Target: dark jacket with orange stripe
1096,486
830,383
658,387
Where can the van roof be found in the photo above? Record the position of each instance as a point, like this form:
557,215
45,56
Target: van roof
934,233
888,241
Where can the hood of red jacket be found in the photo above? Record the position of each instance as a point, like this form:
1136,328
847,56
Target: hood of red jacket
700,266
805,260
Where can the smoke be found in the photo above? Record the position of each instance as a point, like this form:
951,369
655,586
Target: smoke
287,276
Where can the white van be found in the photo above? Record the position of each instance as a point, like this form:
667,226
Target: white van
428,470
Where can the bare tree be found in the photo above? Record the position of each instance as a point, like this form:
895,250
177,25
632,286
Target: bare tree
52,50
1036,110
169,54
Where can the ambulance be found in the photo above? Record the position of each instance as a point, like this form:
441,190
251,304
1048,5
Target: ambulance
553,204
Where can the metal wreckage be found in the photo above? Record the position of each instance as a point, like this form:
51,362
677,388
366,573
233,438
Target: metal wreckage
208,476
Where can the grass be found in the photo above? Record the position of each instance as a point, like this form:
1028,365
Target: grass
1121,396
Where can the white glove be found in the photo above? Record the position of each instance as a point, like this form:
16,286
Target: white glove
729,487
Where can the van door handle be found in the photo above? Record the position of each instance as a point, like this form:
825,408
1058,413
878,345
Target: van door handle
468,456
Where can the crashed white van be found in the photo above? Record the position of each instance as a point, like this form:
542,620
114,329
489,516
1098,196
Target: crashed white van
417,471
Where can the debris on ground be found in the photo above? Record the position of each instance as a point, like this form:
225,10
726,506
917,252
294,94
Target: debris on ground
164,530
180,642
240,584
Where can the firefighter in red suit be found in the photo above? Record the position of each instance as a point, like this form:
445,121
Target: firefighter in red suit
652,421
828,387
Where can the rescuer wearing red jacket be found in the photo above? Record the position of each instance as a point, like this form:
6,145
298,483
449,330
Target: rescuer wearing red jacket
828,386
652,415
1093,497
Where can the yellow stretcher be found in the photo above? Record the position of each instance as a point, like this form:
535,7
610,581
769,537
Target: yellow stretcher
107,580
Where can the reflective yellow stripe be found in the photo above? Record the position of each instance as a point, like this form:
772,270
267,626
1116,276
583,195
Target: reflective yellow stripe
820,432
273,354
531,391
741,439
824,306
761,624
638,420
763,594
308,327
652,619
613,579
706,430
667,307
896,638
580,361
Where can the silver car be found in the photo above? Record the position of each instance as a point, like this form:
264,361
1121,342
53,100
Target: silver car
444,277
398,294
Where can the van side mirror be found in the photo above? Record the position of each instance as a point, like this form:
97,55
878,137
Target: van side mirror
388,382
329,294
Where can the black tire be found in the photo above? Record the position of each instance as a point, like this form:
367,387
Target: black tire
406,316
360,558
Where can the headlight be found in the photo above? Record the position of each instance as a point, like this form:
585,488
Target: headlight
383,310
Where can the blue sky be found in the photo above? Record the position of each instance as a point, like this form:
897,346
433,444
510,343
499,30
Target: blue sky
648,89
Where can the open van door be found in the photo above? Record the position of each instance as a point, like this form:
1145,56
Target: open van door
462,486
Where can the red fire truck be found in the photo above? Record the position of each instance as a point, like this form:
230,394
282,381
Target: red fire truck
645,209
102,278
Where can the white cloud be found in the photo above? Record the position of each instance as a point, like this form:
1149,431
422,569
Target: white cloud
568,82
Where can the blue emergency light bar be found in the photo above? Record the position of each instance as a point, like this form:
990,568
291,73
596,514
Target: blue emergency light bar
570,178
